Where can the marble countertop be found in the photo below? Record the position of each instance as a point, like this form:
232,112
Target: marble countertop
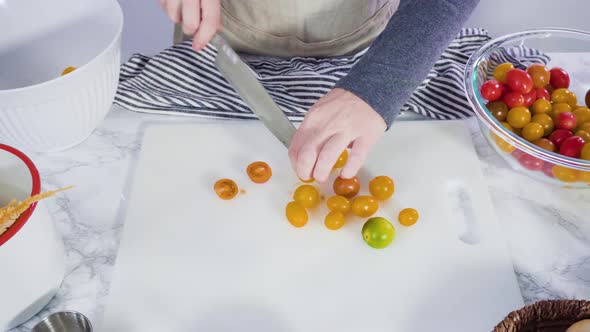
547,228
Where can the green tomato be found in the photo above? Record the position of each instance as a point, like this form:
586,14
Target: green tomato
378,232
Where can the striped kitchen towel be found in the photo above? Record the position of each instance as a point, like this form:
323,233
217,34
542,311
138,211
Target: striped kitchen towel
182,82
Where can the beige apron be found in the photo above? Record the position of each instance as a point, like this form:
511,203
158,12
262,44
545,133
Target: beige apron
304,27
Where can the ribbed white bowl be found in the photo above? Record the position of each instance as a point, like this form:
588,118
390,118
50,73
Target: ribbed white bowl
39,109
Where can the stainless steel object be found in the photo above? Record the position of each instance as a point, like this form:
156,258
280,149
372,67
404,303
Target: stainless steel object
252,92
64,321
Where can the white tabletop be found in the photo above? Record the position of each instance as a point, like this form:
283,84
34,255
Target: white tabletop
548,229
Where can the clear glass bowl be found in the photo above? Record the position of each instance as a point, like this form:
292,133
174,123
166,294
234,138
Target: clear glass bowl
568,49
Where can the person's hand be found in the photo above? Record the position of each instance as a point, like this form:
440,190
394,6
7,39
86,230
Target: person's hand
337,121
200,18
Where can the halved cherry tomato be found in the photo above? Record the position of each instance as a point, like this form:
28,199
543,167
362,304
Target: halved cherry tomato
408,217
498,109
346,187
540,75
501,70
259,172
334,220
307,196
341,160
338,203
364,206
544,120
565,174
513,99
533,131
559,78
68,70
226,189
296,214
542,93
519,117
491,90
519,81
381,187
546,144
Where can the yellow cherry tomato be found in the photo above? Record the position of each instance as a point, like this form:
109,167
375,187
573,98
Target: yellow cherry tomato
582,115
560,108
544,120
541,106
586,152
565,174
408,216
307,181
307,195
584,176
334,220
68,70
564,96
501,70
382,187
533,131
364,206
519,117
296,214
341,160
584,134
502,144
508,126
338,203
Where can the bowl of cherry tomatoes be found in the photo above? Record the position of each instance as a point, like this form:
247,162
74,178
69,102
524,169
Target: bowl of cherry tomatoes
530,92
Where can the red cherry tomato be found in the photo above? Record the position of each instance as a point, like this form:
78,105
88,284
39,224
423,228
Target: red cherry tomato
517,154
513,99
572,146
519,81
505,89
559,135
530,162
542,93
565,120
529,98
548,170
491,90
559,78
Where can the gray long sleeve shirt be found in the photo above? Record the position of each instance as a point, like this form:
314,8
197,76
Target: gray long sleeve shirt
403,54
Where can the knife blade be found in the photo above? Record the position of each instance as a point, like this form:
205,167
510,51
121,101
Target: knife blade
240,76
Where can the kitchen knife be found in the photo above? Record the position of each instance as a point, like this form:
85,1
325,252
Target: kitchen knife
240,76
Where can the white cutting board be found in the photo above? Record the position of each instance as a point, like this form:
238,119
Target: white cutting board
189,261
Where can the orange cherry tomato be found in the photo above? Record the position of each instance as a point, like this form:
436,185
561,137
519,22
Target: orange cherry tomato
338,203
226,189
584,134
307,196
364,206
341,160
585,152
259,172
519,117
408,217
499,109
382,187
334,220
540,75
346,187
501,70
544,120
296,214
565,174
546,144
541,106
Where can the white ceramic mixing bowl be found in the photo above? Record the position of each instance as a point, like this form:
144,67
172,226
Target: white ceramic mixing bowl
40,110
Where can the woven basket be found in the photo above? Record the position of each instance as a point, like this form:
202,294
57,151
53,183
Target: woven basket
545,316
